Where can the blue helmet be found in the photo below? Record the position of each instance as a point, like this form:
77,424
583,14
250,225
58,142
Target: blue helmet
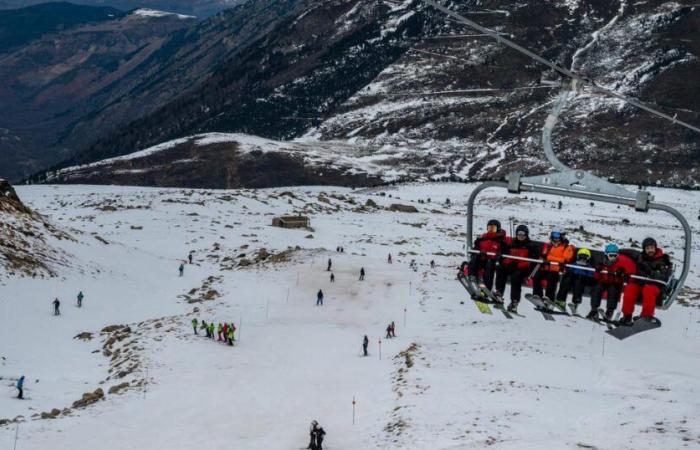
555,235
612,248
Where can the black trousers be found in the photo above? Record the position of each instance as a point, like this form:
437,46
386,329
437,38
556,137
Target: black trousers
21,393
614,292
576,284
552,282
364,348
489,266
516,277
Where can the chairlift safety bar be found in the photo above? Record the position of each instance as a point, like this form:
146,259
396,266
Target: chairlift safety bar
568,266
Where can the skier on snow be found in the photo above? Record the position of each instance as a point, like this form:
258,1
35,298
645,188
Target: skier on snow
219,331
388,259
332,278
493,241
362,274
181,269
205,327
56,306
515,270
20,387
557,252
211,330
80,299
612,275
330,263
319,298
651,263
576,279
189,257
194,325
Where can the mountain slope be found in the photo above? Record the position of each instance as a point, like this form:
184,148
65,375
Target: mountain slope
200,8
17,27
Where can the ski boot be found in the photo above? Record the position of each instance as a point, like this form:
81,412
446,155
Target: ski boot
593,315
513,307
609,315
626,321
574,308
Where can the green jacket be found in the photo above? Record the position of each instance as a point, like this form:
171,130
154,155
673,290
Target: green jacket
194,323
220,328
211,328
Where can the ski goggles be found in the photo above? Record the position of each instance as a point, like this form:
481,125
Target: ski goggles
521,234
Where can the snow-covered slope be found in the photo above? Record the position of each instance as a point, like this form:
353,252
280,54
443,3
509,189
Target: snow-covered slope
453,378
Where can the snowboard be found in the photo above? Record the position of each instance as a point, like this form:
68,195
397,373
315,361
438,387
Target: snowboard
638,326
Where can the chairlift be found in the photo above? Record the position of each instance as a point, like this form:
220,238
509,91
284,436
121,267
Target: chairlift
571,183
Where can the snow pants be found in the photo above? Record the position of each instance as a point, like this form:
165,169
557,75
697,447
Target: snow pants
516,277
614,291
552,279
577,284
489,266
649,292
21,393
364,349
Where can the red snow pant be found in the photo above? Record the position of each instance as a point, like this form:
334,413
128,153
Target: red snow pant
649,292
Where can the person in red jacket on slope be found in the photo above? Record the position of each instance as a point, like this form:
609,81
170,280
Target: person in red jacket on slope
651,263
493,241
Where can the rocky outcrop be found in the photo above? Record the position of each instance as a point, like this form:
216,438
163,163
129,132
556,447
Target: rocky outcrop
89,398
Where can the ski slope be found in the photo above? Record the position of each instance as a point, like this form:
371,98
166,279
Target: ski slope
453,378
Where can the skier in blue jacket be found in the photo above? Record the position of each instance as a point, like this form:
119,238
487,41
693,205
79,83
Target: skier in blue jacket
20,386
577,278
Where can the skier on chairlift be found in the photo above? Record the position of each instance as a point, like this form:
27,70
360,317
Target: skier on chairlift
576,279
515,270
555,253
493,241
653,263
612,275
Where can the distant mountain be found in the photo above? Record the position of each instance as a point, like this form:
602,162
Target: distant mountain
19,26
199,8
50,81
394,81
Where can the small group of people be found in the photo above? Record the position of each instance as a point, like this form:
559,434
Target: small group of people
561,268
57,303
226,332
391,330
317,435
340,249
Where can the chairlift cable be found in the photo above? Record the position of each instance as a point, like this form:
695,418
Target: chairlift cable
557,68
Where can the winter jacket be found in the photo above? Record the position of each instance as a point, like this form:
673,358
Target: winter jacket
581,272
20,383
523,249
618,272
194,323
491,242
562,254
657,267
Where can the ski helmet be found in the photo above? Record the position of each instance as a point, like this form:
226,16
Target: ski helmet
612,248
522,229
494,222
584,253
649,241
555,235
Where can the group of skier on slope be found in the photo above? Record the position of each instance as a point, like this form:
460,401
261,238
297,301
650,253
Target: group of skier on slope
569,269
226,332
57,303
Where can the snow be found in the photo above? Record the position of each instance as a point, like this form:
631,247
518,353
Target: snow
147,12
475,380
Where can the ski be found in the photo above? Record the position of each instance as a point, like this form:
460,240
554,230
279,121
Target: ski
638,326
574,309
497,302
539,306
475,296
556,309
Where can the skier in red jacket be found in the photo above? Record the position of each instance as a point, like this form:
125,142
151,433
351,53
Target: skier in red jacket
612,275
493,241
651,263
516,270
